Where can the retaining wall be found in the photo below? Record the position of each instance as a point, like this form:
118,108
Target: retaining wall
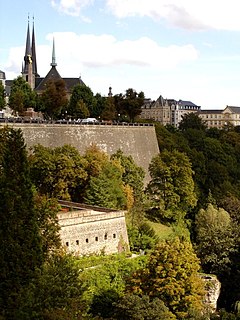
138,141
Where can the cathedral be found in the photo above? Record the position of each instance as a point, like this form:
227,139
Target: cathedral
30,73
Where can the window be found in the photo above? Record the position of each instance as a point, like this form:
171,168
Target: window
105,236
86,240
114,235
67,244
96,238
77,242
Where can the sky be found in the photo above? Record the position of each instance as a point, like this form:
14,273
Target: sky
180,49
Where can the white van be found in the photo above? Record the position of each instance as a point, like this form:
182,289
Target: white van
89,120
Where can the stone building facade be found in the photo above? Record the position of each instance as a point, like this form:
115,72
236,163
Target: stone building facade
167,111
220,118
171,112
92,230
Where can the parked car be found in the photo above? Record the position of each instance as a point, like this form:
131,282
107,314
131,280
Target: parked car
89,120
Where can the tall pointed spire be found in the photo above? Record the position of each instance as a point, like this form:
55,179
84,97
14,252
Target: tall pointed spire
34,57
28,50
53,64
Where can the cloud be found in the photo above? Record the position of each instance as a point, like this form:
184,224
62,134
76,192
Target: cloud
93,51
75,53
187,14
72,7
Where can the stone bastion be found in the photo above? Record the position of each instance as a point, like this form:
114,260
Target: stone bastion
92,230
139,141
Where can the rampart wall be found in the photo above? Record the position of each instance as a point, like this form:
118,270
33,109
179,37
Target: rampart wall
86,232
138,141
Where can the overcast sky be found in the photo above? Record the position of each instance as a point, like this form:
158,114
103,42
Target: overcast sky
180,49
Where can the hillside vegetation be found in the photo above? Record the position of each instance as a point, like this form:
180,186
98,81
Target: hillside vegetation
185,222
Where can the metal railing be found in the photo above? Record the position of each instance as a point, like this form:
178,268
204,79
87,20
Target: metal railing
73,122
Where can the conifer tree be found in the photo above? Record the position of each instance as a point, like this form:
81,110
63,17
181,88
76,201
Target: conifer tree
20,242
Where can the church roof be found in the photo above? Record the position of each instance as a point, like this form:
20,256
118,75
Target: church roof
54,75
72,82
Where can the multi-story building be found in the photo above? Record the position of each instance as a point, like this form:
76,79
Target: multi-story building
220,118
180,109
158,110
170,111
167,111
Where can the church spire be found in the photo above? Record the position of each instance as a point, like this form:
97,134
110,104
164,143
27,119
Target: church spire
34,57
53,64
28,51
29,64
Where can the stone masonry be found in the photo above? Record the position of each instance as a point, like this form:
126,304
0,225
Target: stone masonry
92,230
138,141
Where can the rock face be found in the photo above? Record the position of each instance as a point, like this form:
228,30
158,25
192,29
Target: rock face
212,287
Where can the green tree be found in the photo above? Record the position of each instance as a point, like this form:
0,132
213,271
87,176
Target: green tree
132,175
17,102
54,99
193,121
109,111
81,110
2,96
84,94
130,103
229,250
214,239
102,304
106,189
100,104
171,189
20,239
105,283
166,138
171,275
142,237
96,160
56,293
134,307
21,96
59,172
48,209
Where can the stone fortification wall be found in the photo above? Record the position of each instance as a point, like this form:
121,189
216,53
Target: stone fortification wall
93,232
138,141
